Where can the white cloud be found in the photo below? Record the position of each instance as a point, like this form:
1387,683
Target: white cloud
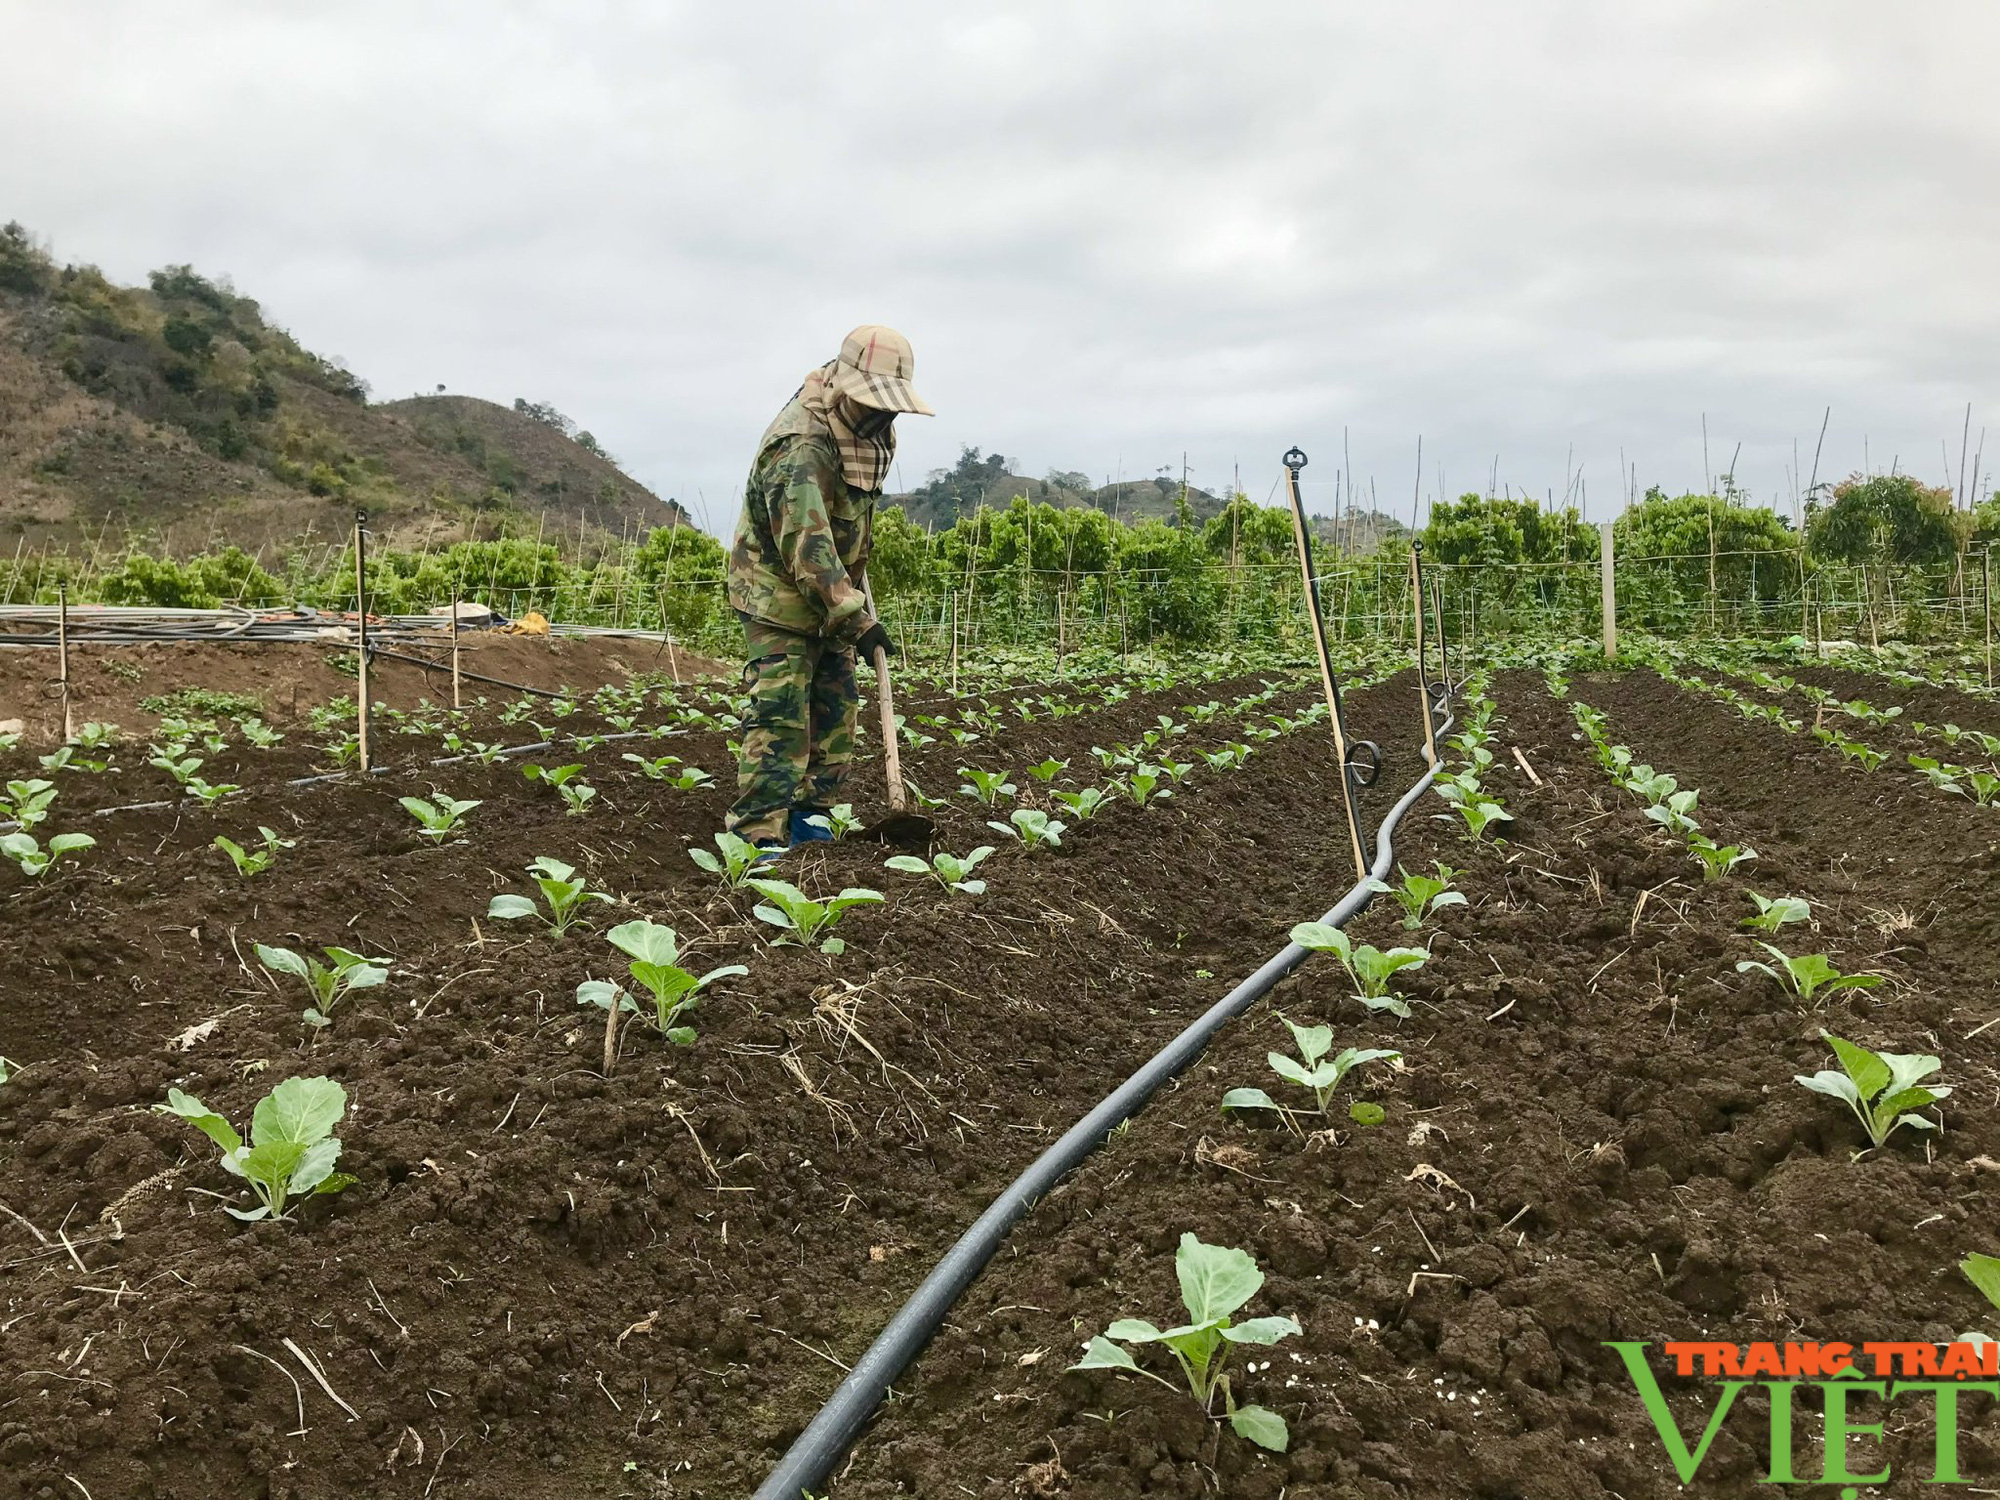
1114,232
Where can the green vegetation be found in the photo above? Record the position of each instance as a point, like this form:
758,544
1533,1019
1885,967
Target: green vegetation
292,1148
1311,1069
1215,1281
328,983
1880,1087
655,953
565,893
802,920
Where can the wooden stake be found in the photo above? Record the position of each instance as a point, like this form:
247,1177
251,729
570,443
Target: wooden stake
1987,570
1294,461
454,651
1423,687
361,634
1608,589
62,657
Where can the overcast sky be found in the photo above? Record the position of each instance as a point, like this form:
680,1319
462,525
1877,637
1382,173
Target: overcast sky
1113,231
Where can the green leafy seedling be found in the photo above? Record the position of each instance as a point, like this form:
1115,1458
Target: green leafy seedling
565,893
329,983
1776,911
1479,815
28,801
1807,975
1083,805
1369,967
248,862
292,1151
1215,1281
209,793
1048,770
986,787
180,767
838,820
33,859
1142,785
440,815
1880,1087
1033,827
1310,1070
801,920
1717,860
1983,1271
736,859
655,953
1421,895
951,872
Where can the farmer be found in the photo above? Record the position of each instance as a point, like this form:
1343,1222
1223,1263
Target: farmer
796,576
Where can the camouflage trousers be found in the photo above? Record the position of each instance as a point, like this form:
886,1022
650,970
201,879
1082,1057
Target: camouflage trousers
798,732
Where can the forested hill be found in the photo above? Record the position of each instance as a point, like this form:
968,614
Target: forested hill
987,479
175,415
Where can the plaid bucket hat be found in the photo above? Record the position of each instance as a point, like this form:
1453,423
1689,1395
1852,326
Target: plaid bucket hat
875,367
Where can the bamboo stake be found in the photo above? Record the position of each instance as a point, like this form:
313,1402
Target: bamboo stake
454,651
62,657
1294,461
1423,686
361,634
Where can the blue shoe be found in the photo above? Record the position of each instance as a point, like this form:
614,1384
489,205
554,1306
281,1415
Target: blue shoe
804,832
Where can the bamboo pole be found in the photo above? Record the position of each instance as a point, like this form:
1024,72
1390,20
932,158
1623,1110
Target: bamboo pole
1607,570
361,635
1423,686
62,657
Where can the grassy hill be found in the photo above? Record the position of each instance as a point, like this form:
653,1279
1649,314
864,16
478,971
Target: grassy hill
949,494
176,415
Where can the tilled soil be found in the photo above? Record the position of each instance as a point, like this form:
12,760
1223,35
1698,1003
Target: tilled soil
547,1281
1594,1136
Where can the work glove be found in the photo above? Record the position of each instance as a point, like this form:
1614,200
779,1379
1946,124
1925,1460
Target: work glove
875,638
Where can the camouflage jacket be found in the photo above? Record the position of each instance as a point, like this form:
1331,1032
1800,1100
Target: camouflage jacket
802,540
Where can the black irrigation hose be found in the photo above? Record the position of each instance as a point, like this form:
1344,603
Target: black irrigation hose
812,1456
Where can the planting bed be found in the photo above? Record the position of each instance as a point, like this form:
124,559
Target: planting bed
548,1282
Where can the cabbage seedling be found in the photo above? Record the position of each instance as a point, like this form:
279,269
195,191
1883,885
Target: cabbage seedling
1808,974
1717,860
655,953
1421,895
1142,786
65,758
1776,911
560,887
738,859
1233,758
34,860
838,820
1480,815
440,816
951,872
1983,1271
1033,828
1369,967
28,801
209,793
1879,1087
800,919
260,734
1310,1070
1674,812
1215,1281
292,1151
1083,805
329,983
1048,770
181,768
248,863
987,787
96,735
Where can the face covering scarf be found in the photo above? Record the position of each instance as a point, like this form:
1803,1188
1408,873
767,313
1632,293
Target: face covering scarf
866,438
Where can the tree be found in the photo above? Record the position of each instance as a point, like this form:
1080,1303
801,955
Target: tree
1890,518
546,414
